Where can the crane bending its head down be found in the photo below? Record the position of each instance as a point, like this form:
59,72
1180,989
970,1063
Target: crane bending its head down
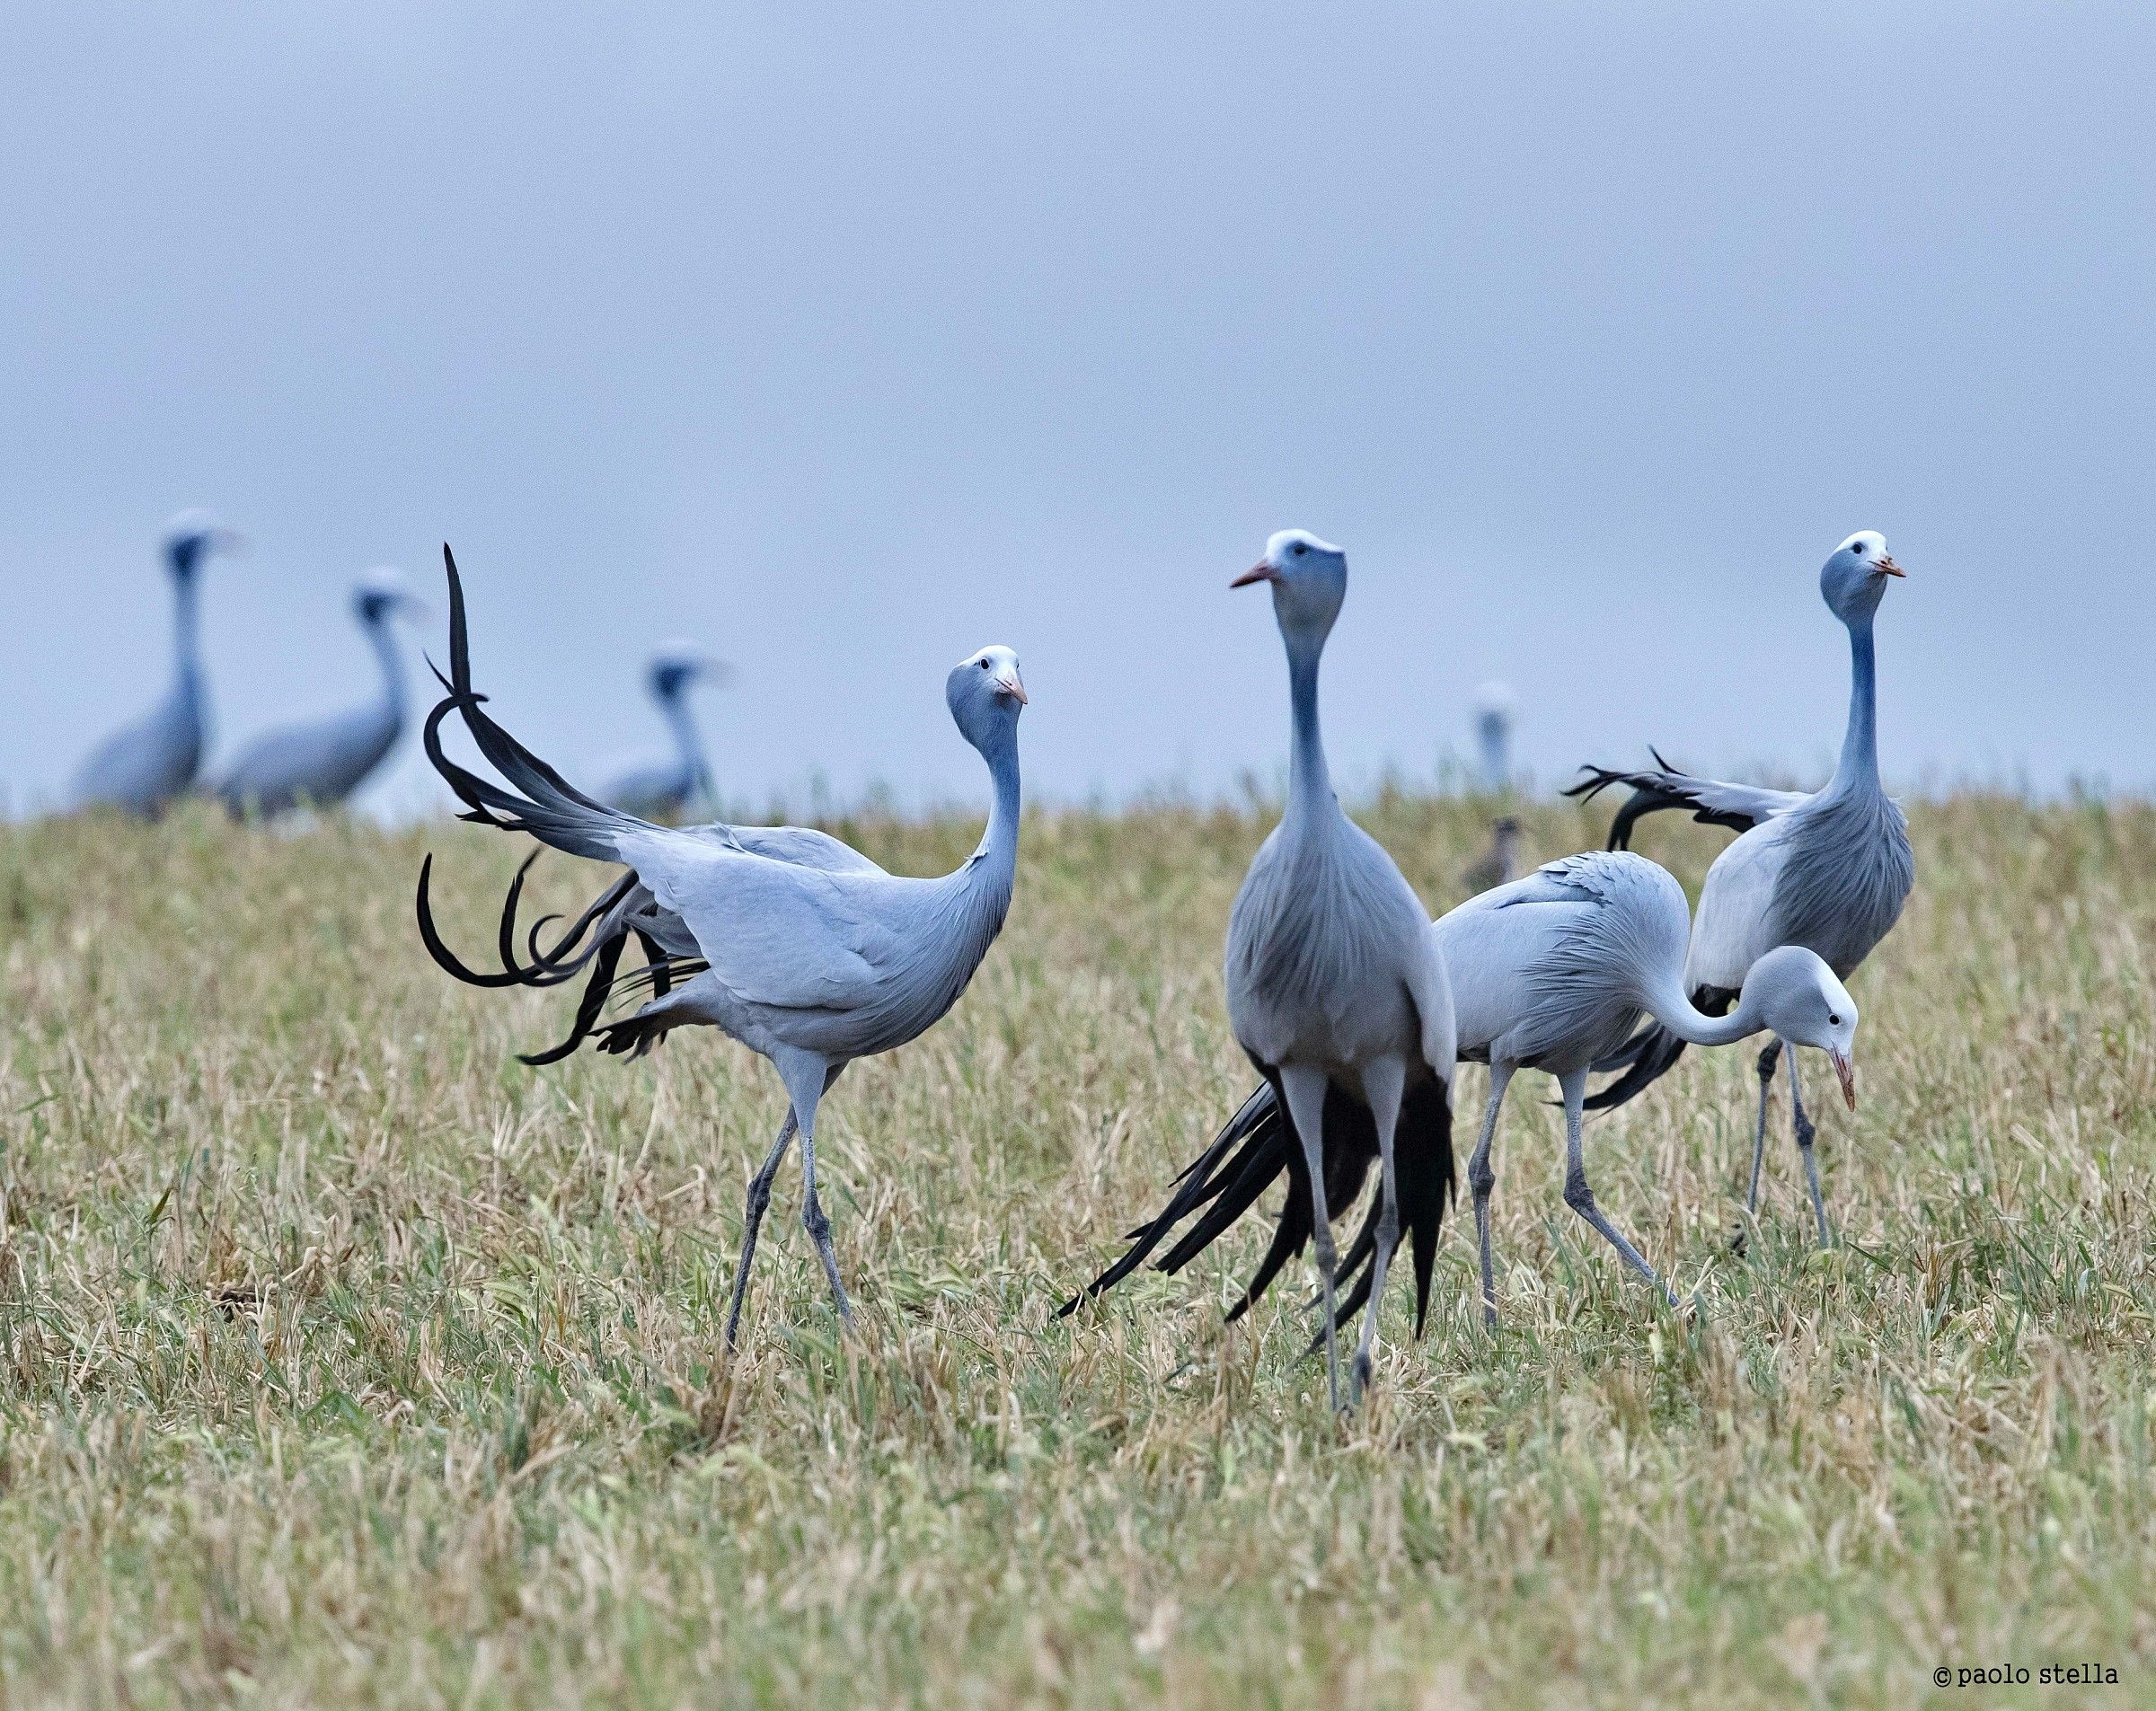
1829,870
1545,974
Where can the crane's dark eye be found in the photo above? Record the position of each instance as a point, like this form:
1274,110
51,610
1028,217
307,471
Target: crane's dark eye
984,664
1833,1020
1300,549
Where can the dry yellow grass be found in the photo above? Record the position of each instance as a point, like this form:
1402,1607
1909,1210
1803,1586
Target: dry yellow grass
348,1362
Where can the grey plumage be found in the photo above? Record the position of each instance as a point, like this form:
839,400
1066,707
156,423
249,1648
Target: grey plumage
1331,980
1545,972
319,763
807,959
142,768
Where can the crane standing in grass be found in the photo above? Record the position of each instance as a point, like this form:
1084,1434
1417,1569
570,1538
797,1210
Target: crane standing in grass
1333,987
142,768
667,789
1829,871
1546,974
322,762
1501,863
809,956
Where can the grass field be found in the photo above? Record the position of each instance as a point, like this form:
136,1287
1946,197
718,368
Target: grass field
348,1362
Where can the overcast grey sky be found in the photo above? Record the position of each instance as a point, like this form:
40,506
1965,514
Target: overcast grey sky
848,341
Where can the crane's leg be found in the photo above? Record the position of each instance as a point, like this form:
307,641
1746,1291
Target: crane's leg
1804,1151
1384,1082
1767,1056
808,1074
752,1219
1580,1197
1481,1179
1306,1090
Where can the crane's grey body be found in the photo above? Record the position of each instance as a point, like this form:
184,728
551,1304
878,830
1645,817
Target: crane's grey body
1330,977
1557,969
1547,973
667,789
1325,962
319,763
804,951
143,767
1830,871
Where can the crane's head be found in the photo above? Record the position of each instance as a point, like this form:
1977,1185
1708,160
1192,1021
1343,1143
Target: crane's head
1309,578
191,537
1801,999
675,665
380,593
983,692
1852,581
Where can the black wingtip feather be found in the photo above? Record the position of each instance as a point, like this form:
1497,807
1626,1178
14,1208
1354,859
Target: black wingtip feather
1265,1146
1653,1059
587,1011
439,949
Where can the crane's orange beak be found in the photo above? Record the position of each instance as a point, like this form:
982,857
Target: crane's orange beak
1260,572
1011,687
1846,1073
1885,565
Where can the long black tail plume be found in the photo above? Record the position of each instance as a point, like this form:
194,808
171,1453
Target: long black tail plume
554,967
1651,793
1647,1056
1424,1186
1258,1146
1202,1179
554,811
542,802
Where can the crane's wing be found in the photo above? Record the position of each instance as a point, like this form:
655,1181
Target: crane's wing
800,846
1430,986
143,764
322,761
1711,801
773,933
1735,924
814,931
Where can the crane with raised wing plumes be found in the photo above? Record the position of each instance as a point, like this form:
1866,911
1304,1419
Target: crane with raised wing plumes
1829,870
810,956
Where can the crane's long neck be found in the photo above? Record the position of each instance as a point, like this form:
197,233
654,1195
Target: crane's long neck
1859,766
996,857
1688,1022
1310,797
688,743
187,637
384,645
